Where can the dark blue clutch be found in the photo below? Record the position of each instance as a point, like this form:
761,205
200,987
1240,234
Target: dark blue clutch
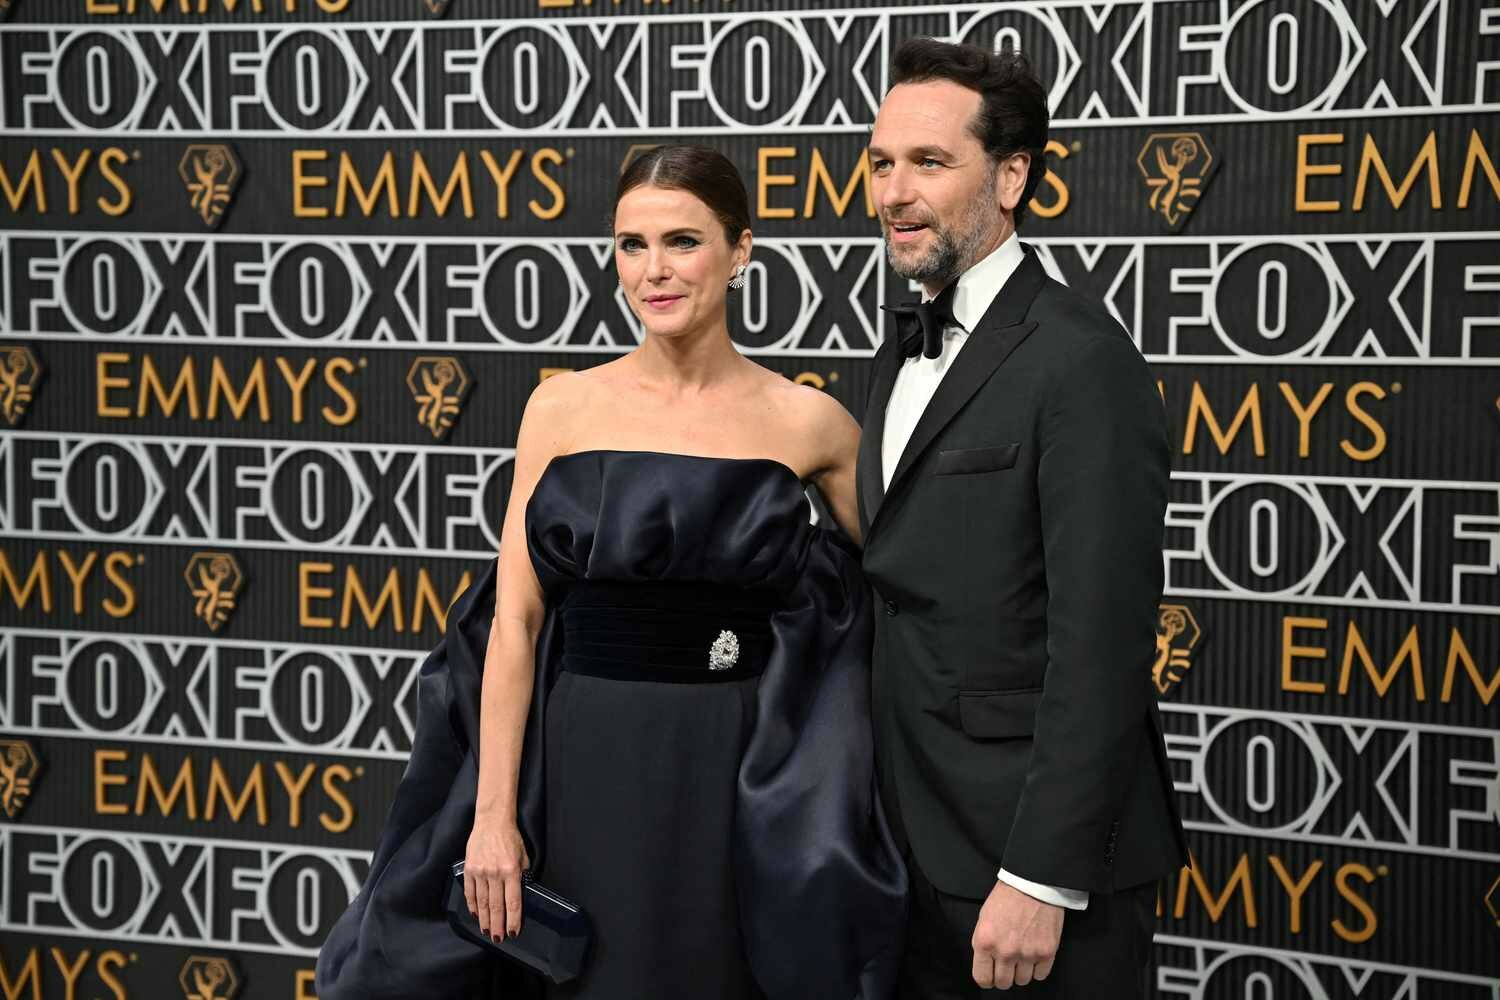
554,938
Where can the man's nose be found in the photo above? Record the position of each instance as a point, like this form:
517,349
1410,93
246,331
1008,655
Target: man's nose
897,189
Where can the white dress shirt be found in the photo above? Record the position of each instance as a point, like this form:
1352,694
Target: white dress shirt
915,384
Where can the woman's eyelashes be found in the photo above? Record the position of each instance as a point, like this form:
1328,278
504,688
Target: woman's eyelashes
633,244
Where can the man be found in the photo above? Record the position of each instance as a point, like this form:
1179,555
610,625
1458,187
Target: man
1012,485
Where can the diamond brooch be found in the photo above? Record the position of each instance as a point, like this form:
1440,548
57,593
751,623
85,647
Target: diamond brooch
725,651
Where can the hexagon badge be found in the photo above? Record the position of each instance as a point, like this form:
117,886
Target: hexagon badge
209,977
19,767
20,372
435,8
215,579
1177,635
439,385
211,173
1492,901
1177,167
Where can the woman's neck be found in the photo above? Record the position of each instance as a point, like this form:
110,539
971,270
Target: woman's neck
691,362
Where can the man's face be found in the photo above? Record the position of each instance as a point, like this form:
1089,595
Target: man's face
935,187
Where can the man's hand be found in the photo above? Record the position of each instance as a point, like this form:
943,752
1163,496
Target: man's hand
1015,940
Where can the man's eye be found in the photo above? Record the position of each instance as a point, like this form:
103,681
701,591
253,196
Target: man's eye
928,161
881,164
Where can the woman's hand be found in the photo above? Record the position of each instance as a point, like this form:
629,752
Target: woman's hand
493,863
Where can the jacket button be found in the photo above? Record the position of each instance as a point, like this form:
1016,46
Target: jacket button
891,609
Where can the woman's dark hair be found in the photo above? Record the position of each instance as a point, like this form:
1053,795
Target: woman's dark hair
704,173
1012,114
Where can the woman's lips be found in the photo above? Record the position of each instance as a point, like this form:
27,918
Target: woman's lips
661,303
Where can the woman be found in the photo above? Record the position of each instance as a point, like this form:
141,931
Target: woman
673,724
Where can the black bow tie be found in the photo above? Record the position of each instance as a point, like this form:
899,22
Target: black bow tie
919,325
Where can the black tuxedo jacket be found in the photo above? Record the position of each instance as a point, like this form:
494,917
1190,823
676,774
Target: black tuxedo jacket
1017,562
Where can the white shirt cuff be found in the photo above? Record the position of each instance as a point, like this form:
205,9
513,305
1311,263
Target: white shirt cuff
1072,899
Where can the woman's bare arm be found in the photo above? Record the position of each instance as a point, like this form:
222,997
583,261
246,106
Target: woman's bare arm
496,854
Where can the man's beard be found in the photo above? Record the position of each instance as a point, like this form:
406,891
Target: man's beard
953,250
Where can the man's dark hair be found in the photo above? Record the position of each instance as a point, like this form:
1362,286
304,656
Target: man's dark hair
1012,114
702,172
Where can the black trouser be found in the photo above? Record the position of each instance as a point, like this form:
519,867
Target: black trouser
1106,950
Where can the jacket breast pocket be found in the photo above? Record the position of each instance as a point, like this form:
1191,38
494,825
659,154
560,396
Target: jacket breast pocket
971,461
998,715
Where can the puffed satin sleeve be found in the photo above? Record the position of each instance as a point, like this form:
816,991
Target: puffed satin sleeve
822,888
394,940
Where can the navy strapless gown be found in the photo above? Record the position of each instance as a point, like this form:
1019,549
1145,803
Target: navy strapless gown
698,767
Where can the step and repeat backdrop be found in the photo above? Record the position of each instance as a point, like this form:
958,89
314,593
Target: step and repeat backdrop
277,276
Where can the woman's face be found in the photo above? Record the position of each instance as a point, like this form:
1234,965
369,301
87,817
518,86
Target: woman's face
673,259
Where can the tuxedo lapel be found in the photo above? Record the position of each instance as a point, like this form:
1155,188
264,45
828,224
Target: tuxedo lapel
998,333
869,471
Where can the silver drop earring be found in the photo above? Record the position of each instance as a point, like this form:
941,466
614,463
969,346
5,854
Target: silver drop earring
738,281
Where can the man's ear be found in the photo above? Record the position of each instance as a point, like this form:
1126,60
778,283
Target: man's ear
1010,180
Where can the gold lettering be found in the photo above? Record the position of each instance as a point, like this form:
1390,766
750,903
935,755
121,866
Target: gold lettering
559,199
421,180
107,161
1354,645
1371,158
426,598
301,181
297,383
103,780
765,180
109,961
1304,414
151,385
31,177
1056,183
77,574
1306,170
307,593
295,787
30,972
1341,882
1198,407
1477,156
112,566
104,382
1458,650
38,579
219,383
254,788
1239,878
1295,890
385,179
166,800
1290,652
502,176
354,592
331,372
71,973
1351,400
820,179
72,173
346,808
